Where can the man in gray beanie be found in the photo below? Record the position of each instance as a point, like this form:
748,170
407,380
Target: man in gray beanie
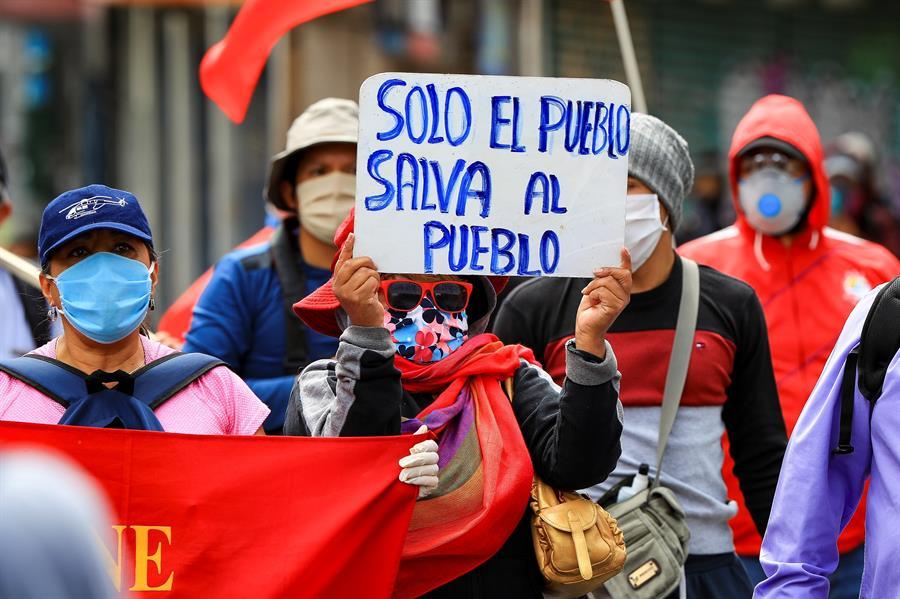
730,387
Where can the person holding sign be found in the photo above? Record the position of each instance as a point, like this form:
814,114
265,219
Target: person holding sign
413,352
729,387
99,274
244,315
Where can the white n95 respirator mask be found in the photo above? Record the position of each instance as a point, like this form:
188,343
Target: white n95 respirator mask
773,202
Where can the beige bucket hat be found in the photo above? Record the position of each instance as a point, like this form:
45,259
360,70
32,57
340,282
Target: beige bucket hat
328,120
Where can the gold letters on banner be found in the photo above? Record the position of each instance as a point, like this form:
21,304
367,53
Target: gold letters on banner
146,550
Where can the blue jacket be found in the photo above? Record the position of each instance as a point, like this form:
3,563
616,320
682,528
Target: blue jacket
244,318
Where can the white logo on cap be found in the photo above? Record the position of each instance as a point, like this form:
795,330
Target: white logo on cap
92,205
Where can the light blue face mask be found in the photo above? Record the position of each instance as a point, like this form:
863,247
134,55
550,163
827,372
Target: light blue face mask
105,296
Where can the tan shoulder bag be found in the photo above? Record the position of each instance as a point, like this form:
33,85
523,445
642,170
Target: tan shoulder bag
577,543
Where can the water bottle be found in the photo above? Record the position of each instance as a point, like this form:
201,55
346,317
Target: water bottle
639,483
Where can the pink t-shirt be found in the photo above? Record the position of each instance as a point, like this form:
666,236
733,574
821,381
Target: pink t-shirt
217,403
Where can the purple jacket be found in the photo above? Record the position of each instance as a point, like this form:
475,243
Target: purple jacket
818,492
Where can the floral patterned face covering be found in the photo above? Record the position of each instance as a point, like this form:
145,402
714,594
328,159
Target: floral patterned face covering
426,334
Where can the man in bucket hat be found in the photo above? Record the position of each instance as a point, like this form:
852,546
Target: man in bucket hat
244,316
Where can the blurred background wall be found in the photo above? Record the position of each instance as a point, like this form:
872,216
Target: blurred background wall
106,90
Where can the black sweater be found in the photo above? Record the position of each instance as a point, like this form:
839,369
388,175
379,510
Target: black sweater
572,434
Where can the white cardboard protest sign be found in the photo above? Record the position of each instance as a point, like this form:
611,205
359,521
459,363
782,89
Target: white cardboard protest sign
468,174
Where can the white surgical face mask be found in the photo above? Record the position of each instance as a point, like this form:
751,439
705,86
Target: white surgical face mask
324,203
773,202
642,227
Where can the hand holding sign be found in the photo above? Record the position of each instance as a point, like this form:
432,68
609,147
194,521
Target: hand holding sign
602,301
356,284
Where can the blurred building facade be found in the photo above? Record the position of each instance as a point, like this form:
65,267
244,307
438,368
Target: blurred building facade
107,90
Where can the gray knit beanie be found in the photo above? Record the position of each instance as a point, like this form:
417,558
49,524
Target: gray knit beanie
659,158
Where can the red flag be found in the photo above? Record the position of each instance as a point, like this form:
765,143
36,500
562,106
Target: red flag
230,69
208,516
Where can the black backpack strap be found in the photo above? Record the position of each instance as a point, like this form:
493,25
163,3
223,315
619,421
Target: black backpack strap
286,257
58,381
848,384
159,380
867,364
879,340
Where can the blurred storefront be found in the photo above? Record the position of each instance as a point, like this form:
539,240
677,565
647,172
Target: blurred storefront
704,62
107,90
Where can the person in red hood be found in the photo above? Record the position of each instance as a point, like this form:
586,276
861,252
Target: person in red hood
808,276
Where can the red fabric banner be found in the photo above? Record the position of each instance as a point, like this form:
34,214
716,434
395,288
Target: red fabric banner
208,516
231,67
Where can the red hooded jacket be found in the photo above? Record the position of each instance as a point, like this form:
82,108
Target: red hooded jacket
807,288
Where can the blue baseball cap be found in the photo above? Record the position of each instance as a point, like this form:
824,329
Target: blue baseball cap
93,207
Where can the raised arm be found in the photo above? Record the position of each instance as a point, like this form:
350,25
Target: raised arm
359,393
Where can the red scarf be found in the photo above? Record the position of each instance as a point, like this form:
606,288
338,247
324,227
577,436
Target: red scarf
468,518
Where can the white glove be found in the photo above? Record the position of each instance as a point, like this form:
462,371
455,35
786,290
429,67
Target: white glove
420,467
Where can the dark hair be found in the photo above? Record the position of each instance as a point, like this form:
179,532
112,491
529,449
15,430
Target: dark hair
291,164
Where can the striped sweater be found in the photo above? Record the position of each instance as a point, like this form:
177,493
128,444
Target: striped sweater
730,388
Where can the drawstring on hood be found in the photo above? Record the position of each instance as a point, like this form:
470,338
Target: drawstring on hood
758,252
814,239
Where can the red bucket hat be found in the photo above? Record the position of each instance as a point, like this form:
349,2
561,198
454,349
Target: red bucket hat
318,309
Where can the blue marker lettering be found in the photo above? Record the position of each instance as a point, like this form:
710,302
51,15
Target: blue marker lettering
572,135
611,131
435,121
423,175
546,126
549,244
463,253
585,129
432,244
477,247
524,258
517,128
444,192
498,250
599,127
466,191
623,148
466,107
556,208
406,158
379,202
398,118
531,191
422,113
497,121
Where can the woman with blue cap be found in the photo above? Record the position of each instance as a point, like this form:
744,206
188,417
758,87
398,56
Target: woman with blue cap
99,272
